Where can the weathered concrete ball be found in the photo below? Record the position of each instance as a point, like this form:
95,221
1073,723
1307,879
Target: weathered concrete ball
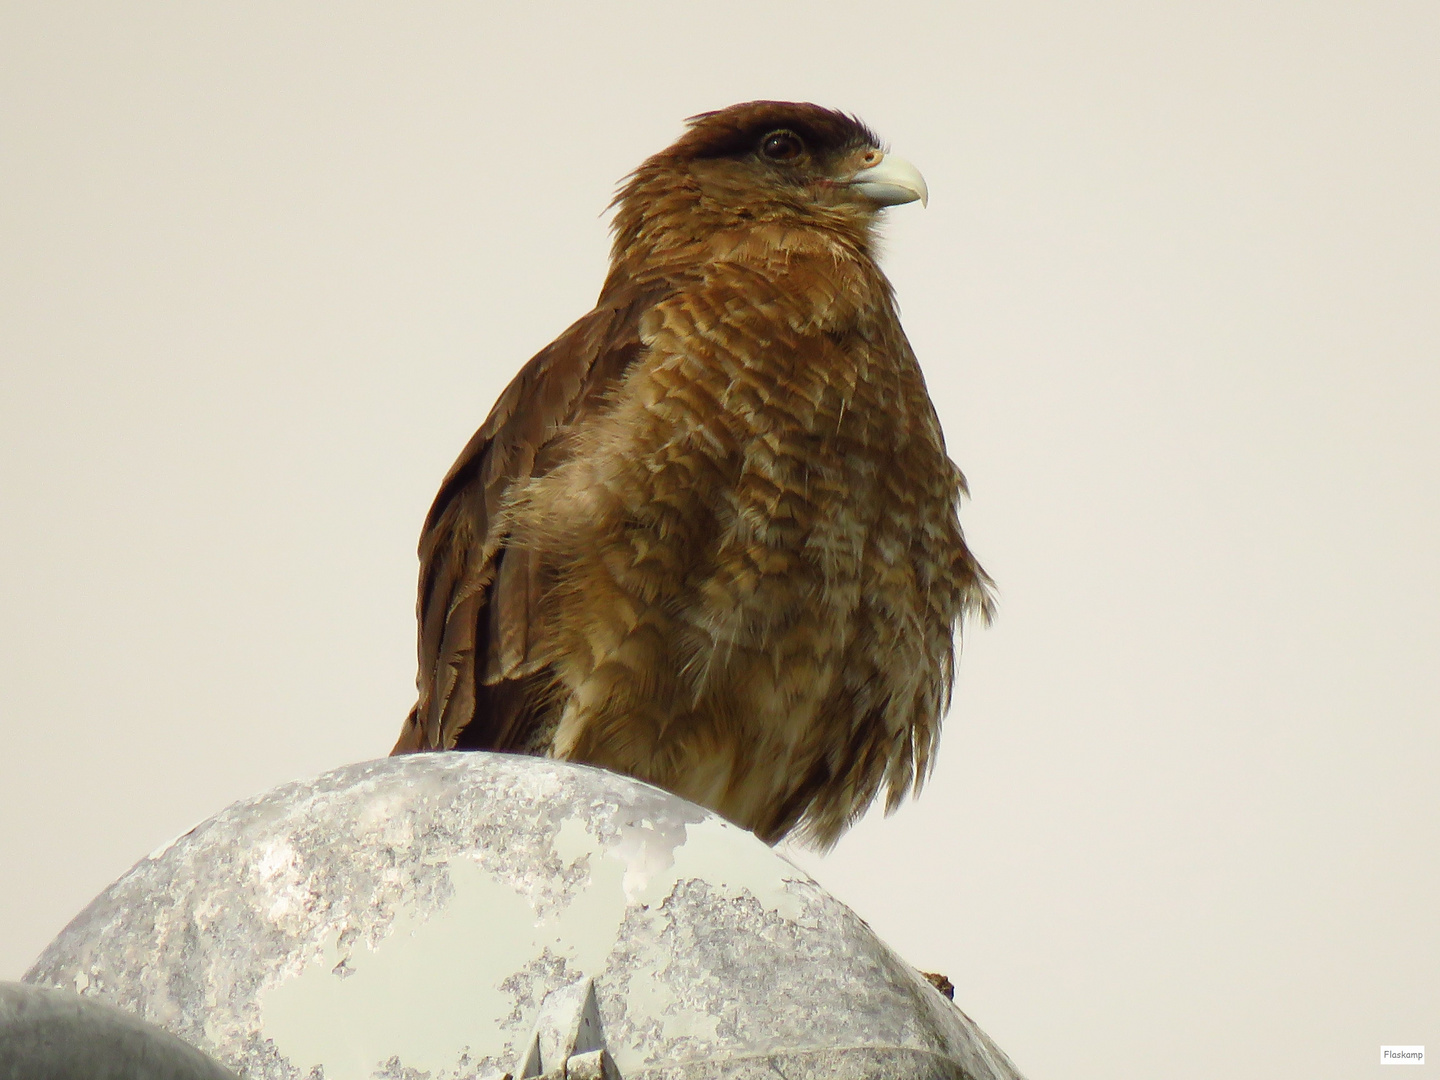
466,916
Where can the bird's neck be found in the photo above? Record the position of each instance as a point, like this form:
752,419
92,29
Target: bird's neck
670,232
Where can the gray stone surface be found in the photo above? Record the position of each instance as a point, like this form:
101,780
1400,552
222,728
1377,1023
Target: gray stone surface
448,916
50,1034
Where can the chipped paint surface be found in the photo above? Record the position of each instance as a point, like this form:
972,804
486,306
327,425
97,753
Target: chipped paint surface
406,918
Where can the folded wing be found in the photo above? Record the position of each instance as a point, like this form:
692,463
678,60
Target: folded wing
481,681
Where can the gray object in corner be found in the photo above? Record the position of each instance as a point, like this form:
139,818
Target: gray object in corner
59,1035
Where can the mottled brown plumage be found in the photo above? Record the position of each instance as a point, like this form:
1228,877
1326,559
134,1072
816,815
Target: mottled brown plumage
708,537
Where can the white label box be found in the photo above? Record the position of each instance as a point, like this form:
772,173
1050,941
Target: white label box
1402,1055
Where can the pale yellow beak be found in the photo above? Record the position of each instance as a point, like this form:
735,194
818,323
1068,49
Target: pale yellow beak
892,182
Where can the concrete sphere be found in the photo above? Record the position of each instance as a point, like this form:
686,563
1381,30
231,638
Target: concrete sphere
465,916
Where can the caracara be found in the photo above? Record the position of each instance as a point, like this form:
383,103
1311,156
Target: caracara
708,536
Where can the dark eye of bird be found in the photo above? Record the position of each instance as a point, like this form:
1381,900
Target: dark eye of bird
782,146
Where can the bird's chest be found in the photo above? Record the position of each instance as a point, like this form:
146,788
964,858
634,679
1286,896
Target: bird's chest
762,480
729,512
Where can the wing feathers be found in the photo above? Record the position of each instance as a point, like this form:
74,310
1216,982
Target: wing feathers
478,597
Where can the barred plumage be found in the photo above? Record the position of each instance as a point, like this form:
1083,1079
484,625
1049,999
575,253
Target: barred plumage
709,536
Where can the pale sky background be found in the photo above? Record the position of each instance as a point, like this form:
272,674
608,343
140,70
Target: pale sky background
264,268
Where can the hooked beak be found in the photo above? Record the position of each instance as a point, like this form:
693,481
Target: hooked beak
892,182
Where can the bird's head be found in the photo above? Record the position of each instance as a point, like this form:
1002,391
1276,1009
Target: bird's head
774,163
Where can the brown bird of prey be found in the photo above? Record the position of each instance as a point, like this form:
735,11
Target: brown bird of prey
708,536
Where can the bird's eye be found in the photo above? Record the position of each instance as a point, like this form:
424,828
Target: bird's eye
782,146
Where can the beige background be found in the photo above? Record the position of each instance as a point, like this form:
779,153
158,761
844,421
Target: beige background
265,267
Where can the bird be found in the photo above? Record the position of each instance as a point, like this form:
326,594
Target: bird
709,536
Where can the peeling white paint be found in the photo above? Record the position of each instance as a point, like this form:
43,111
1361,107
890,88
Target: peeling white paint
737,862
427,993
